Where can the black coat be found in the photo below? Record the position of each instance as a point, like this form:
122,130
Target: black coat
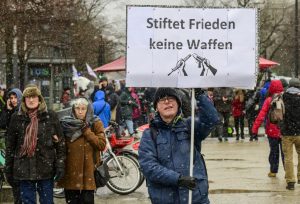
291,122
223,106
48,155
126,107
252,101
113,100
5,117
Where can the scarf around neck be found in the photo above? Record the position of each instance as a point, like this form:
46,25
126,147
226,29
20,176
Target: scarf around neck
72,127
30,140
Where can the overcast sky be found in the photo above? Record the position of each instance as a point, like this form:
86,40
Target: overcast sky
116,10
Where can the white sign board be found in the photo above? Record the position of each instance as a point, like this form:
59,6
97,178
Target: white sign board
191,47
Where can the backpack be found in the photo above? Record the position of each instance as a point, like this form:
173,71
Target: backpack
277,109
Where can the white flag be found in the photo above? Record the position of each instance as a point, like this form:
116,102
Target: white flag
75,73
90,71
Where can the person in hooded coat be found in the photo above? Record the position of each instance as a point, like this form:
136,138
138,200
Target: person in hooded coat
101,108
263,93
85,139
12,105
272,130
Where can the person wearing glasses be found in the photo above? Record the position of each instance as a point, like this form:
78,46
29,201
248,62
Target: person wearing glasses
164,152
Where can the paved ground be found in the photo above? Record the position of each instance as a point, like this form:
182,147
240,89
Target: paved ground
237,175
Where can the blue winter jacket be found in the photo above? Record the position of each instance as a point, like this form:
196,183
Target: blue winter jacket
165,158
101,108
263,93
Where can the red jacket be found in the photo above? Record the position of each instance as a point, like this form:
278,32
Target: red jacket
237,108
272,130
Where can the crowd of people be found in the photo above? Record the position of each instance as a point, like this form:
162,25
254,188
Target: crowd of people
42,149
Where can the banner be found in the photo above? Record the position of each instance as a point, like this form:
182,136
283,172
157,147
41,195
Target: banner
90,71
191,47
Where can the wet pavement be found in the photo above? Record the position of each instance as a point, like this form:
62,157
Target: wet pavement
237,175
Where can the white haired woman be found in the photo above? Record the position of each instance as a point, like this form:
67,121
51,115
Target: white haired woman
85,139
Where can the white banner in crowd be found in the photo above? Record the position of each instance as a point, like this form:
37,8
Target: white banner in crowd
191,47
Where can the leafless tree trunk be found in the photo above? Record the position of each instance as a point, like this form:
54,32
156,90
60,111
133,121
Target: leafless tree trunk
64,25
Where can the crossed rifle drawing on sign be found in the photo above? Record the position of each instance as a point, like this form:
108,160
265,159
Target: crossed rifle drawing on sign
203,64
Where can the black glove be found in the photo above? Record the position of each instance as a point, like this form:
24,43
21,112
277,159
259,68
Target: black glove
187,182
59,174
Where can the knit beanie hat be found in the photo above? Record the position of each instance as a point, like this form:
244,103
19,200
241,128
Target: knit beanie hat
294,82
33,90
163,92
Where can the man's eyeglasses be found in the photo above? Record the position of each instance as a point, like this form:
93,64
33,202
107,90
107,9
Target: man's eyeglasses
167,98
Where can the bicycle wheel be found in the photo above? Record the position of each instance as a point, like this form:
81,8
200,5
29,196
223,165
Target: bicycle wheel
135,158
124,182
58,192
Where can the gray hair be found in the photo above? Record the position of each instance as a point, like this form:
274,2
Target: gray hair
80,101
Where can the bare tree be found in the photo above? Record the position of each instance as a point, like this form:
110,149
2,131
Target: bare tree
274,23
35,27
202,3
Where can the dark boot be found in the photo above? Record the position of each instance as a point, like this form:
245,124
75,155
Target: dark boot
242,136
290,186
251,138
237,137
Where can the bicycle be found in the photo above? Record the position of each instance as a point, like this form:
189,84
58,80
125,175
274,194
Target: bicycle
124,170
122,146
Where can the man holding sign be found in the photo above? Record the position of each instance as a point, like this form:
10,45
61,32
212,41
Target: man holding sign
185,48
164,152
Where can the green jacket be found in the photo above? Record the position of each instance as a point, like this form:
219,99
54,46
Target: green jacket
126,107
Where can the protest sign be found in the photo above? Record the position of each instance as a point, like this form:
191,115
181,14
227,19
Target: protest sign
191,47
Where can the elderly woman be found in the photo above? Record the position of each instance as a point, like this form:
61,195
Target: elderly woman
85,139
